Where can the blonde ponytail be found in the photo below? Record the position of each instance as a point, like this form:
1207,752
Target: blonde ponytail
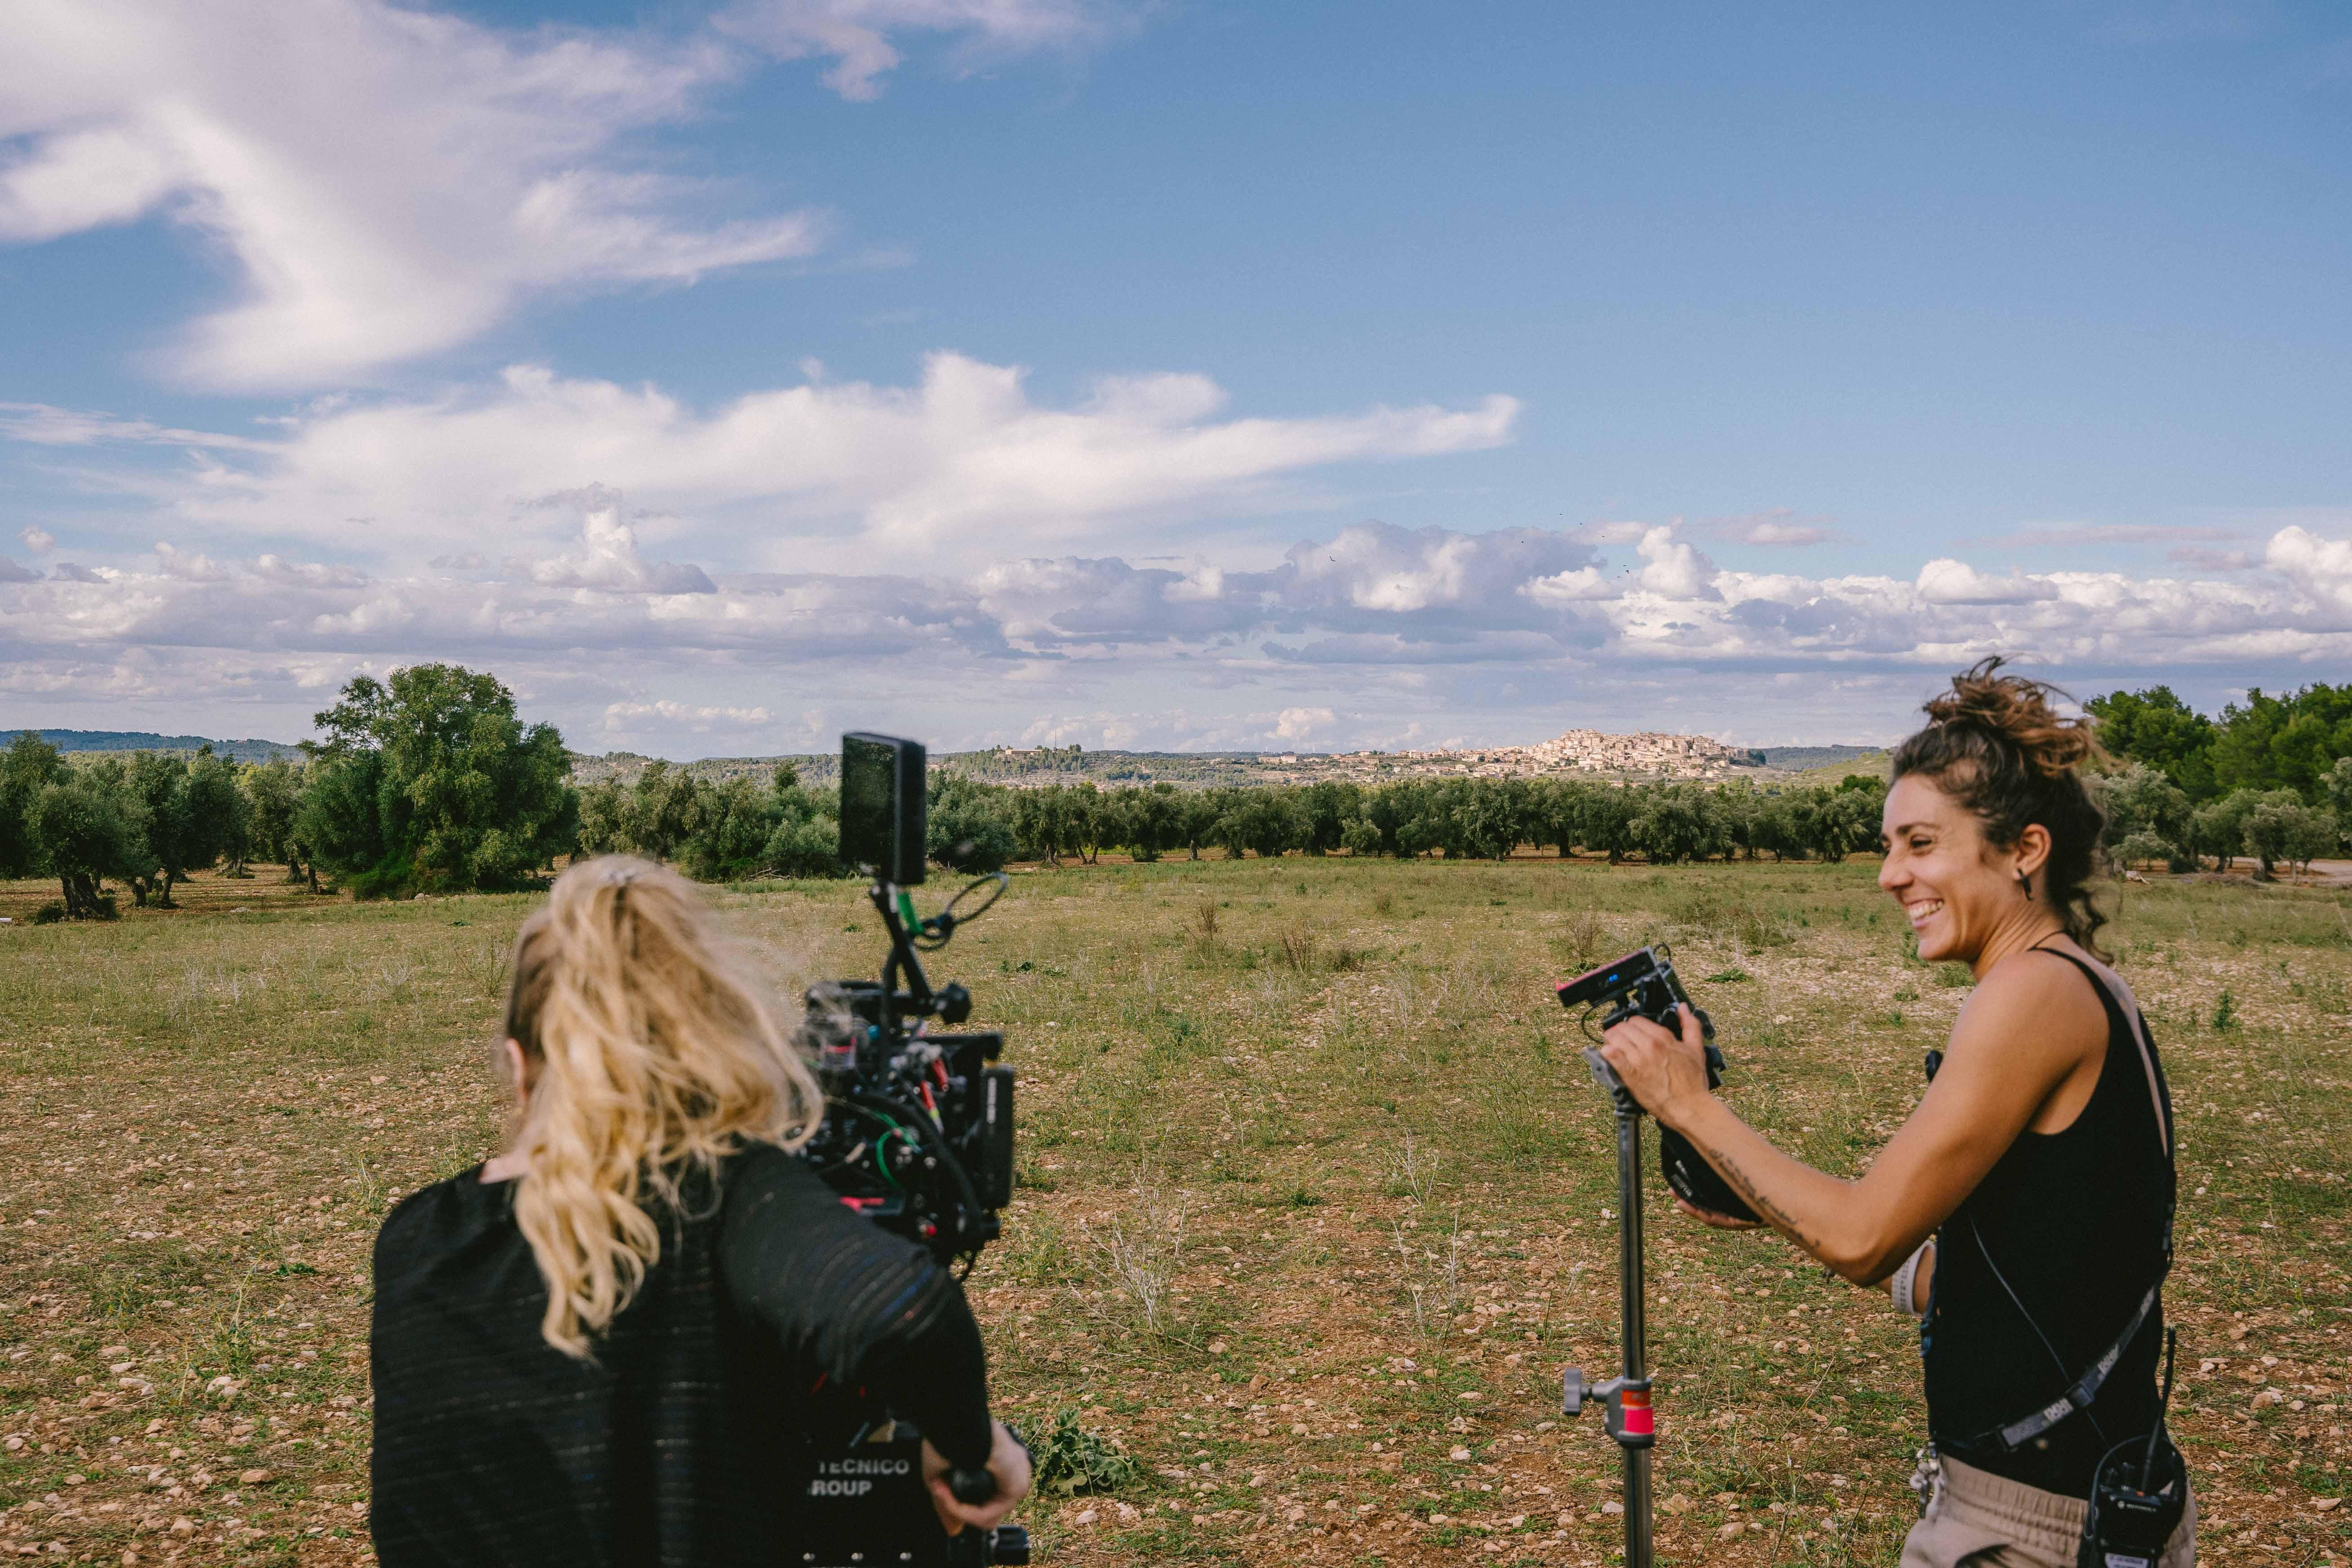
650,1054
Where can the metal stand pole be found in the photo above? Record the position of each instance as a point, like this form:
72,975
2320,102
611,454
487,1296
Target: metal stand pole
1636,1371
1626,1409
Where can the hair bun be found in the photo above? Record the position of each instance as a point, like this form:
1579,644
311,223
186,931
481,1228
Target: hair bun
2017,710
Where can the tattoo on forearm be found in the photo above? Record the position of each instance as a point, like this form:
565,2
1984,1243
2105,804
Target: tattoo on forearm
1780,1218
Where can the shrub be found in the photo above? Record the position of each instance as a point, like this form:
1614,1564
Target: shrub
1072,1459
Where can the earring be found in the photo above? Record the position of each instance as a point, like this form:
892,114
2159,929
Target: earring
2025,884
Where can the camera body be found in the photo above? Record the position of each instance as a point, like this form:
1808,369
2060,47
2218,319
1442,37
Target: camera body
1644,985
918,1137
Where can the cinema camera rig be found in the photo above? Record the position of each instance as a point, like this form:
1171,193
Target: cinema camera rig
918,1137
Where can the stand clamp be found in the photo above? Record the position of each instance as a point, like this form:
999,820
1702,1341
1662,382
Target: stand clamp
1626,1408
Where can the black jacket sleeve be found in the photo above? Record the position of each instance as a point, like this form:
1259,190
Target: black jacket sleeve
867,1308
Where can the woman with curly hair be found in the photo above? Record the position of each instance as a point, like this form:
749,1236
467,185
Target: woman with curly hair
2025,1208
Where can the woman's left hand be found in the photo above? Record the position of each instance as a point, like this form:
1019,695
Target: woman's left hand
1008,1462
1666,1072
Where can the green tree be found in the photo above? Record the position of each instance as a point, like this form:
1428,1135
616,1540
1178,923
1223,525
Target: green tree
1848,817
2156,727
2143,807
2337,788
2280,827
727,840
1195,822
2285,743
217,808
88,830
970,823
273,797
1323,809
431,782
806,840
169,843
1608,821
29,765
2219,828
1673,825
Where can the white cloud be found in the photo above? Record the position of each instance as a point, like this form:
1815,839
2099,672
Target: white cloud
2324,564
855,33
1675,571
390,181
1944,581
188,566
618,714
1301,724
607,559
964,465
38,540
1779,527
1351,639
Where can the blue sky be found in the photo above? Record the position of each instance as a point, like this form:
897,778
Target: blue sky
1179,375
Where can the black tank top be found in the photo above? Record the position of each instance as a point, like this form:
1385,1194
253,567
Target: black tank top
2077,1222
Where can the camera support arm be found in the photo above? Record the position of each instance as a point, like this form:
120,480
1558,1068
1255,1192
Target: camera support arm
1626,1411
950,1003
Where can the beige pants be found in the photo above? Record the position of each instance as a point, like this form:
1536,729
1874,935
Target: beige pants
1979,1521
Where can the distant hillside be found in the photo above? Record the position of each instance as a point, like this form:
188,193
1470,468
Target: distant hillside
818,771
247,751
1797,759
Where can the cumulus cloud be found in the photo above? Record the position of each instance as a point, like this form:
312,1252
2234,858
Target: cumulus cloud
1944,581
607,559
1675,571
389,181
963,464
38,540
12,573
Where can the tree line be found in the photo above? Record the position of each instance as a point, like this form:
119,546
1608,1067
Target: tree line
2269,779
426,783
430,782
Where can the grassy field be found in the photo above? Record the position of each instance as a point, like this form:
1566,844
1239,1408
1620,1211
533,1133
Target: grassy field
1315,1203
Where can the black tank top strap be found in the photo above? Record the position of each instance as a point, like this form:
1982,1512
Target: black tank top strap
2128,1023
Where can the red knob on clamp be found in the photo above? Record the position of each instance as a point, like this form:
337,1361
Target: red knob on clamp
1625,1410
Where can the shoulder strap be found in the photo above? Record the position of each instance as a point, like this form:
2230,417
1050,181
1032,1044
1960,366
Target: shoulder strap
2112,988
2083,1389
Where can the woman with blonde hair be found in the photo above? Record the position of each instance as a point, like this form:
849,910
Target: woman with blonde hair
2025,1208
599,1348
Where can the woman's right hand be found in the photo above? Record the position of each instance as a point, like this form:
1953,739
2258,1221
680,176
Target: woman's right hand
1008,1462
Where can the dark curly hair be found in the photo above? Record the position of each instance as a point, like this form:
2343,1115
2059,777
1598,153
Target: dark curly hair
1994,744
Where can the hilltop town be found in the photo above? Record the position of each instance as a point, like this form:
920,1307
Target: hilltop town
1586,753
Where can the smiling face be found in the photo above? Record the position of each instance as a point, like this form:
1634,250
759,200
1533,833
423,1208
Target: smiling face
1956,890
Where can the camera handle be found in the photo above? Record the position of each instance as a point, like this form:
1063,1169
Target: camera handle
1626,1410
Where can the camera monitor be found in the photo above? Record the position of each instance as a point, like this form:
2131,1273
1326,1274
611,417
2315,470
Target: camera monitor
882,806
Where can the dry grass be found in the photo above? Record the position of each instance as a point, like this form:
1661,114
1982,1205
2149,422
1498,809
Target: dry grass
1391,1185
